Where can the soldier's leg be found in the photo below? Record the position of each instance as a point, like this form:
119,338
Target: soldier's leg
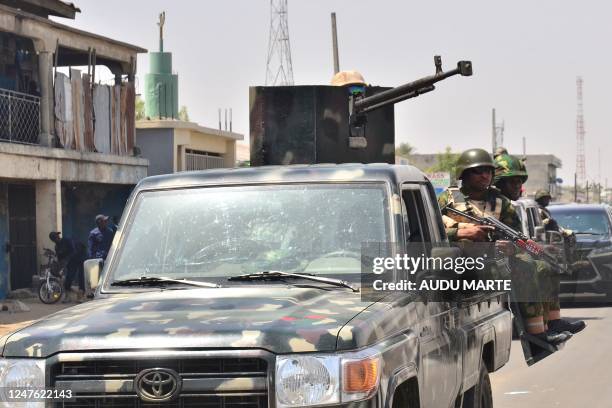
550,283
530,303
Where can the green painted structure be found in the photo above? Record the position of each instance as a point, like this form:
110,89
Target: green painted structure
161,85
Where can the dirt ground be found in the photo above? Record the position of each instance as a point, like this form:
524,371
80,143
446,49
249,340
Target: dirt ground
11,321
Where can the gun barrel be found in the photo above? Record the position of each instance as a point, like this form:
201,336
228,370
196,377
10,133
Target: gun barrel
411,89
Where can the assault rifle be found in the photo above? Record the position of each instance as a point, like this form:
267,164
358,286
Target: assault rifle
519,239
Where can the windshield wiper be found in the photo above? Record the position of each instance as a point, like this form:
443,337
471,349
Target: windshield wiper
152,280
278,275
587,233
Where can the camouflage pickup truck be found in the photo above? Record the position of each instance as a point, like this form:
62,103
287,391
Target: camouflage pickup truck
240,288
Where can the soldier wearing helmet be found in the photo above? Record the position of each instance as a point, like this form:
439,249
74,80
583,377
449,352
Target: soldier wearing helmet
353,80
499,151
543,197
510,175
475,169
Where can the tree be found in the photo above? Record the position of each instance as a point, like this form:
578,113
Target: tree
404,150
183,114
445,162
140,108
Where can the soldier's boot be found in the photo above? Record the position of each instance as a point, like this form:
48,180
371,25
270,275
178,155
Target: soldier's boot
562,325
554,338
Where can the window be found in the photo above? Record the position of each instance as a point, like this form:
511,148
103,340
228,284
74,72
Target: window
416,226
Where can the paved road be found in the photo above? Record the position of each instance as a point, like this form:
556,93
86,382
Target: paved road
580,375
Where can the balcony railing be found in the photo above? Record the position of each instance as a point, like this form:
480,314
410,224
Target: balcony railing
202,162
19,117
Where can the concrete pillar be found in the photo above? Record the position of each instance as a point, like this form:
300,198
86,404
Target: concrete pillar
4,238
229,158
45,74
48,213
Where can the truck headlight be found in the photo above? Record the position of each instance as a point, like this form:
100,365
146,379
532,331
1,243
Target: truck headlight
312,380
307,380
22,374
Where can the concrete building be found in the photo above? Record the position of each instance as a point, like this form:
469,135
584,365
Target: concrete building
59,167
174,145
170,144
542,170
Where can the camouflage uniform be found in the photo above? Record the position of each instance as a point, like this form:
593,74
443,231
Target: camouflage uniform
534,272
497,205
500,207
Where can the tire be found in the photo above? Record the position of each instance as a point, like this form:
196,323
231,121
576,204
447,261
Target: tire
480,396
52,293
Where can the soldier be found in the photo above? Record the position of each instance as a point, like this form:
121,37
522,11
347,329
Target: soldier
499,151
475,169
510,175
543,197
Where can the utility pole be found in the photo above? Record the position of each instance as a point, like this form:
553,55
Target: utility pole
580,132
587,191
335,44
575,187
493,134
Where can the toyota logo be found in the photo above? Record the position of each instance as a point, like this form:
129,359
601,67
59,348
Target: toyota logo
157,384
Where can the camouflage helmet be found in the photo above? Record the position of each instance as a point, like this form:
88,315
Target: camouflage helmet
347,78
473,158
542,194
507,165
499,151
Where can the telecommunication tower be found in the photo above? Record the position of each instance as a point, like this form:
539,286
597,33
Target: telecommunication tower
580,162
279,70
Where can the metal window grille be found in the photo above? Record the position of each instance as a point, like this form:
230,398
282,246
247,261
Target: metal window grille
196,161
19,117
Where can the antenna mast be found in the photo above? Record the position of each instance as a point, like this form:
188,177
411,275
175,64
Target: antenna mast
279,70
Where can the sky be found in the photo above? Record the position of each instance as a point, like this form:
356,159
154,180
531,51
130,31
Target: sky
526,56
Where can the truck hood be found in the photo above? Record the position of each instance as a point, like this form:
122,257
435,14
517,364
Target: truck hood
279,319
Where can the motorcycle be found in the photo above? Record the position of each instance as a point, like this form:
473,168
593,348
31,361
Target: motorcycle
52,274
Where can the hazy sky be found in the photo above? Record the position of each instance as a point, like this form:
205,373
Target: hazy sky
526,57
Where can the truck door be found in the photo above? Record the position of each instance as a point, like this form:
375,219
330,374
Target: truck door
439,344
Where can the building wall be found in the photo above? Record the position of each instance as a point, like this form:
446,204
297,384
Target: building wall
542,169
157,145
82,202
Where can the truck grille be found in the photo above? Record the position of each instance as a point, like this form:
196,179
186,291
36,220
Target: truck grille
183,402
206,382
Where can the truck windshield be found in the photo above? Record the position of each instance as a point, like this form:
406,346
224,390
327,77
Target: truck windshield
586,221
214,233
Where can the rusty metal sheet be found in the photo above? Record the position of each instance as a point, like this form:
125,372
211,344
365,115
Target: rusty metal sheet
130,117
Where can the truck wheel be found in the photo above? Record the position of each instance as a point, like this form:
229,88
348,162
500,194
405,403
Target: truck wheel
480,396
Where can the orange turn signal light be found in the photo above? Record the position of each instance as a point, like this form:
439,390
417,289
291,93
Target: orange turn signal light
361,375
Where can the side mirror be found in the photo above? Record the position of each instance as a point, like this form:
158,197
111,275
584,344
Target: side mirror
540,233
92,268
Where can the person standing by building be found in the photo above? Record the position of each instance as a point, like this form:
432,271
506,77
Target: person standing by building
100,239
71,258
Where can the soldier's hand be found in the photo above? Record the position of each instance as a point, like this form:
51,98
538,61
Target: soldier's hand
475,232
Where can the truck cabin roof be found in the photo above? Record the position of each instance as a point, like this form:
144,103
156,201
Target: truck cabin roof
351,172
